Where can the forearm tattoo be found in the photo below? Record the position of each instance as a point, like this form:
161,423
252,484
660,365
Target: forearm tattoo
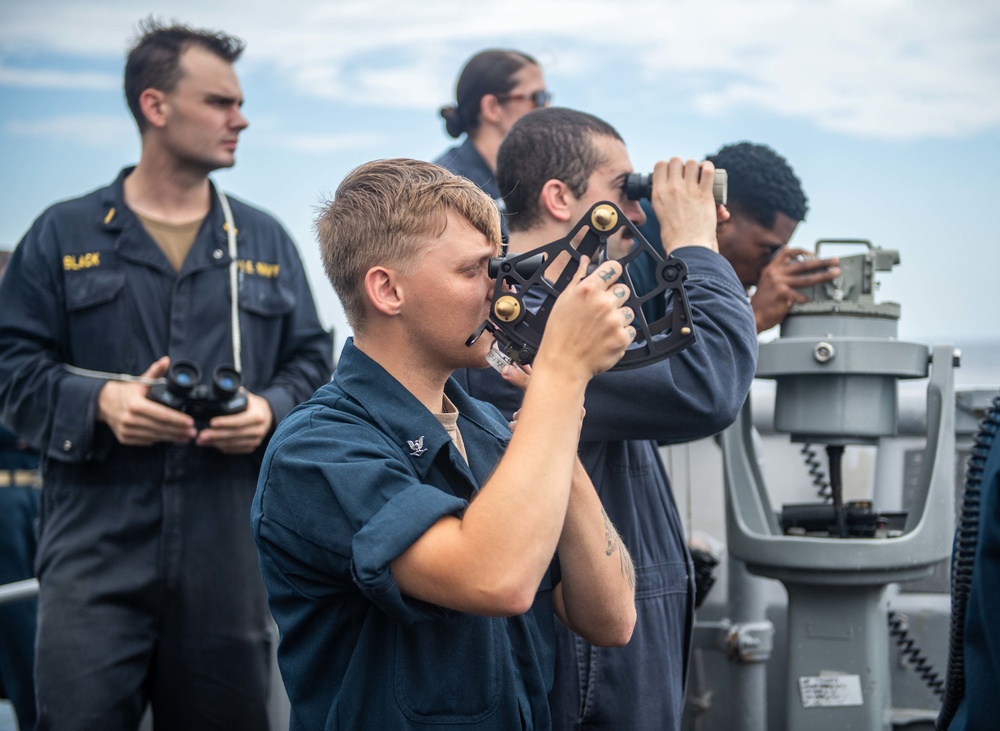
613,542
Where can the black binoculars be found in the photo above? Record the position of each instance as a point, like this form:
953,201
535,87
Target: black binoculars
184,391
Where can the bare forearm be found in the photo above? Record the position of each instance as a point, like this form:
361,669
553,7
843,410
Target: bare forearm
519,513
497,553
597,593
492,559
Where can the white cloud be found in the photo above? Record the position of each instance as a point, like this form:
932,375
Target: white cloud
57,79
89,130
322,143
880,68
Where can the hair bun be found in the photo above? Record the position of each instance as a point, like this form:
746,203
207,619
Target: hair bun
453,124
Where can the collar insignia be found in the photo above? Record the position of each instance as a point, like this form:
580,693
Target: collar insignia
417,447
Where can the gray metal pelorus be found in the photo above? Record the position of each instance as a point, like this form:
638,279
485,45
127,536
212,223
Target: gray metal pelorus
837,363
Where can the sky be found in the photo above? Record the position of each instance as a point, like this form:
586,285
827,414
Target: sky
889,111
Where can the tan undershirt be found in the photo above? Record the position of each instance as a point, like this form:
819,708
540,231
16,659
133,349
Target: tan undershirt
174,239
449,420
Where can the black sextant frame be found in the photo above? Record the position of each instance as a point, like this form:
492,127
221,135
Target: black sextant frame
518,329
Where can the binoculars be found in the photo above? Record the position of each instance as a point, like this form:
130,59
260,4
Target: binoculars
184,391
639,186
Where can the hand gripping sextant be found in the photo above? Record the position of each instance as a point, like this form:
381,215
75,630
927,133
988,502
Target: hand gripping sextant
523,295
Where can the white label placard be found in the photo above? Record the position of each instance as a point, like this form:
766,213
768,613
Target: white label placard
831,690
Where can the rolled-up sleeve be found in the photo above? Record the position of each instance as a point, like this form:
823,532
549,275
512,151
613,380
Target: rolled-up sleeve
336,505
387,535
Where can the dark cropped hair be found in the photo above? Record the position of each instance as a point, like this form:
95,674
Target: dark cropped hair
154,60
488,72
552,143
761,183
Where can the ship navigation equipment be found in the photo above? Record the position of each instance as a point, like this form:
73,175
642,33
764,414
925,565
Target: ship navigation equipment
528,284
837,362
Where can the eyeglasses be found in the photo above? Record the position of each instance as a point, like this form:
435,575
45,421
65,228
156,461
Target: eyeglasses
537,98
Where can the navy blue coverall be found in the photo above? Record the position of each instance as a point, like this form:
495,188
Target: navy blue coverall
150,589
350,481
694,394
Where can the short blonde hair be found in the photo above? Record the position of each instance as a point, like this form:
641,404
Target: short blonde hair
380,215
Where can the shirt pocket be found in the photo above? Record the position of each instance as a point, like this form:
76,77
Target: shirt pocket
99,321
449,672
265,297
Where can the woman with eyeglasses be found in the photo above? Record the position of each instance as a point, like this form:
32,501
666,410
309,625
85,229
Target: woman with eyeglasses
496,88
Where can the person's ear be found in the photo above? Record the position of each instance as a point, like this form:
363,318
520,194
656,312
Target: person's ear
730,228
383,291
557,199
490,109
153,105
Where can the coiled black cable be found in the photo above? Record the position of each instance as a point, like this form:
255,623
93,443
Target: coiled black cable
815,468
963,560
899,630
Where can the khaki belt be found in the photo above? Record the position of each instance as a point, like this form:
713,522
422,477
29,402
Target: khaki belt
20,478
